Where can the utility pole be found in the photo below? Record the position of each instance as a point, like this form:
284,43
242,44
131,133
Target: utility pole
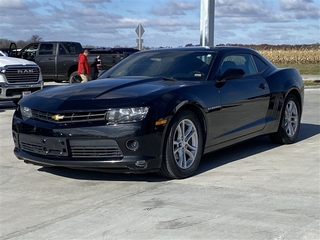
207,22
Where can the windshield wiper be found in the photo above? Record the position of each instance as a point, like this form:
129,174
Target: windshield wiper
169,79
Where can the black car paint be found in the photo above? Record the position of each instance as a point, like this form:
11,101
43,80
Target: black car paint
225,108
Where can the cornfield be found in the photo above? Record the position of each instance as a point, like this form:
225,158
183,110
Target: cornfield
306,54
292,56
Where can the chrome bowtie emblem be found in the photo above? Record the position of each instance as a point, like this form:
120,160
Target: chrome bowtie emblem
57,117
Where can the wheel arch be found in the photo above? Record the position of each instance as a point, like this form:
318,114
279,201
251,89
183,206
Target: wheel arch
297,94
166,169
199,113
72,69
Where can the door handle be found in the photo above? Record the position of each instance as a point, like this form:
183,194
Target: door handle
50,58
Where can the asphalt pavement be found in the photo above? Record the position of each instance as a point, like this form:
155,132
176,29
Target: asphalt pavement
254,190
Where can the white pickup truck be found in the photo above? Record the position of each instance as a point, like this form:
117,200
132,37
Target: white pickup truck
18,78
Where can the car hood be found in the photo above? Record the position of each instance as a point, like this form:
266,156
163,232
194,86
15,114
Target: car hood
113,92
9,61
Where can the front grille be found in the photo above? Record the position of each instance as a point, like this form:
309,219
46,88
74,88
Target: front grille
73,118
106,149
101,148
42,145
24,74
32,147
96,152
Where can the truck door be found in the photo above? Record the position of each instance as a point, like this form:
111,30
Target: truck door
46,60
29,52
12,52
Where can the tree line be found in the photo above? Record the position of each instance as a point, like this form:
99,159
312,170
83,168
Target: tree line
5,43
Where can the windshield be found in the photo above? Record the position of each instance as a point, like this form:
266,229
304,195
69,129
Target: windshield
175,64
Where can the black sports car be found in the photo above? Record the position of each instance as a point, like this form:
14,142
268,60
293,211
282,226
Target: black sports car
160,110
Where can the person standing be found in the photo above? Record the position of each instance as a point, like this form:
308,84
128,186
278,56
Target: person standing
84,67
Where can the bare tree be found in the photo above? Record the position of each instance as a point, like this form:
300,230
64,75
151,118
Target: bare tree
35,38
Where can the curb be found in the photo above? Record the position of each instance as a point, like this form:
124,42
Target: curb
312,78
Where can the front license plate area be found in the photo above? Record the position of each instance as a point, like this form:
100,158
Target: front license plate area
26,93
43,145
53,146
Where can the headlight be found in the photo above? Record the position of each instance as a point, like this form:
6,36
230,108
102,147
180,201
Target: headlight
126,115
2,78
2,72
40,76
26,112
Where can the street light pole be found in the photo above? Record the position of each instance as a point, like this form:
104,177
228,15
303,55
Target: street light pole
207,22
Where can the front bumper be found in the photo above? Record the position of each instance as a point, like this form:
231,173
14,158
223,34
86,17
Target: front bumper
126,165
99,148
10,92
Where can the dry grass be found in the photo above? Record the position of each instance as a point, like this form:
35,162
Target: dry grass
293,56
304,69
307,61
306,57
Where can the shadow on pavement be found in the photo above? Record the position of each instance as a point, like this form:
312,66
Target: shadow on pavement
249,148
102,176
209,161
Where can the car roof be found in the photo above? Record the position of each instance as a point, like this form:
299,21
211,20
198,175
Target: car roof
235,49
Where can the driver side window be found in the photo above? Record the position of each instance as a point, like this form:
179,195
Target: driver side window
238,61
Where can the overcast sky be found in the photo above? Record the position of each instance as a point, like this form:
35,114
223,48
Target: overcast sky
166,22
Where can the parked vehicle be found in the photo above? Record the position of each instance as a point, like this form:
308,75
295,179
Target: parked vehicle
160,110
18,78
58,60
3,53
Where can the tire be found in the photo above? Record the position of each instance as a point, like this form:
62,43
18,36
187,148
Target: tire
289,126
183,147
75,78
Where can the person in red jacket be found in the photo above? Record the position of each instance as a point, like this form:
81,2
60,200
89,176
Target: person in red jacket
84,67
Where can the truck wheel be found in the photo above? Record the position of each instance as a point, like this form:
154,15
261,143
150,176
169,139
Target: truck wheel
74,78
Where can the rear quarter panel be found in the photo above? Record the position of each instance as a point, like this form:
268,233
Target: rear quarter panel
282,82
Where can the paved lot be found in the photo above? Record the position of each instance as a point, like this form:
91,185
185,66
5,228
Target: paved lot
255,190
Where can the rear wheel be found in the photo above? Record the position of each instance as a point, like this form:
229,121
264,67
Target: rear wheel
74,78
184,145
290,122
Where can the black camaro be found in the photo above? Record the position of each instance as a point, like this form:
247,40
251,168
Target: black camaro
160,111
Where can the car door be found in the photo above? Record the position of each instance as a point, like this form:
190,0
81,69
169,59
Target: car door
29,52
46,60
244,101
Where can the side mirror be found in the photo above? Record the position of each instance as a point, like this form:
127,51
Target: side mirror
231,73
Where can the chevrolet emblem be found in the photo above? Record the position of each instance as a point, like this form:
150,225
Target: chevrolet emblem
57,117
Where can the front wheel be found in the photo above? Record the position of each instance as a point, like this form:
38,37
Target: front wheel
290,122
183,148
75,78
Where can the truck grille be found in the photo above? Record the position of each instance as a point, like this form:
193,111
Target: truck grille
22,74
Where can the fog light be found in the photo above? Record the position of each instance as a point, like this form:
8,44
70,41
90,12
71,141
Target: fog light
132,145
141,164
